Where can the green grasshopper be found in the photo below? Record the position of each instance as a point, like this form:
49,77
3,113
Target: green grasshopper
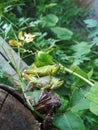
48,82
43,71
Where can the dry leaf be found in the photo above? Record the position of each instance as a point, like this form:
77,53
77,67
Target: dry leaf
15,43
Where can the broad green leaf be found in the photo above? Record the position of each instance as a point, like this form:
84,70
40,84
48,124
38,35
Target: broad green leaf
68,121
82,105
62,33
91,23
92,95
78,100
94,108
49,20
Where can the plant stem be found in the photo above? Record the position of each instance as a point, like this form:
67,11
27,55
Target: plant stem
23,86
78,75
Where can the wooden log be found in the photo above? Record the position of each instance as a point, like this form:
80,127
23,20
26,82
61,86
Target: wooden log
14,115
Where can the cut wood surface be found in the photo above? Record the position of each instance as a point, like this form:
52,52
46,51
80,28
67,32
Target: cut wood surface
14,115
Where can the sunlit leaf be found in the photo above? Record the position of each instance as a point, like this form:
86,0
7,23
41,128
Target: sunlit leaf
91,23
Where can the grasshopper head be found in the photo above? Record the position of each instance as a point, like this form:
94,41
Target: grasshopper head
56,83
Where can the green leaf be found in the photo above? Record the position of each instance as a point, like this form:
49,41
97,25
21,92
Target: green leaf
78,100
90,73
35,95
49,20
94,108
79,82
82,48
68,121
91,23
62,33
92,95
95,63
80,52
64,103
93,33
95,40
23,21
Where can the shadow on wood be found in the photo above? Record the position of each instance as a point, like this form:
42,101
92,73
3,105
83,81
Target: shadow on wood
14,115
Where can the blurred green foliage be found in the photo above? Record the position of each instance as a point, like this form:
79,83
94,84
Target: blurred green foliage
60,32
